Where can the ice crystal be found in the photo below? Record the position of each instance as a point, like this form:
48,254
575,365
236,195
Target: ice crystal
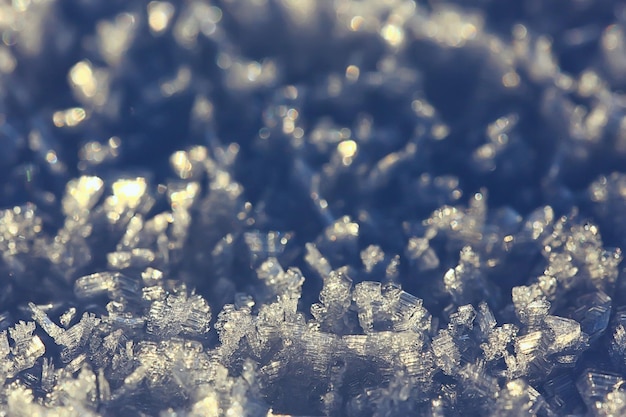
178,313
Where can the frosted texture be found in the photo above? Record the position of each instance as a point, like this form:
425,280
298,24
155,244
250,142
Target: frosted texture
312,208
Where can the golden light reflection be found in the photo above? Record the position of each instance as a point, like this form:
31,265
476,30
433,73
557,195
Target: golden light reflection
69,118
199,18
179,83
440,131
84,192
393,34
187,164
589,83
114,143
159,15
347,149
183,198
95,153
422,108
51,157
301,12
356,22
253,71
114,37
202,108
452,29
82,76
510,79
352,73
289,120
128,193
596,121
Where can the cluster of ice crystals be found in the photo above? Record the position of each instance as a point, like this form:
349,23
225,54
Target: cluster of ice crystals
24,351
373,208
178,313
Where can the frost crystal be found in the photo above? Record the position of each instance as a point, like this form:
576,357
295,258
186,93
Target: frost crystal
178,313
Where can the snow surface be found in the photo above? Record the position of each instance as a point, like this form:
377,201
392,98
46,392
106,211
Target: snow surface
312,208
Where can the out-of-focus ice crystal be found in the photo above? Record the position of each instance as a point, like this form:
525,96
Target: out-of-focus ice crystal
113,284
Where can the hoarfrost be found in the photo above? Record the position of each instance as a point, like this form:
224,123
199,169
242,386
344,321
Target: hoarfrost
377,208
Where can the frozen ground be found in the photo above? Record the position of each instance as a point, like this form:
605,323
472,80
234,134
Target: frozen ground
312,208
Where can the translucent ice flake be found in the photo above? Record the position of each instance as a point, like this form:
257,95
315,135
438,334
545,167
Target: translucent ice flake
485,319
567,334
532,352
463,225
179,314
534,313
617,348
477,381
592,311
523,296
389,308
598,390
75,395
499,340
114,284
466,282
44,321
562,268
576,257
518,399
446,352
316,260
284,285
73,340
26,349
21,334
408,312
335,299
368,298
232,325
270,271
